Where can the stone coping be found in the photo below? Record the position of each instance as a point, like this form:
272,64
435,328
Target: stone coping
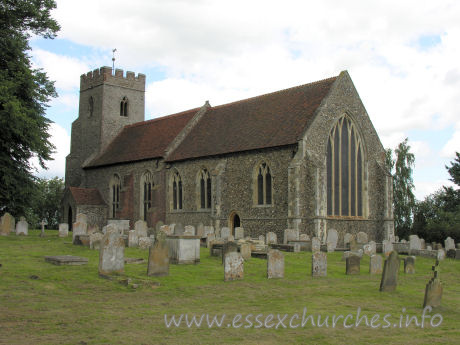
183,237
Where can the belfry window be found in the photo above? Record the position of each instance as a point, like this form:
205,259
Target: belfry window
177,191
345,172
264,185
205,189
124,107
91,106
115,194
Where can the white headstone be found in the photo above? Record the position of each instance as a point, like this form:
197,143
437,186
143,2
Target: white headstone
133,239
449,243
82,218
63,230
224,233
79,228
271,238
362,238
290,235
189,230
141,228
22,228
239,233
332,239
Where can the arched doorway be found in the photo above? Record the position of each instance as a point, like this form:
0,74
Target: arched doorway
69,218
234,221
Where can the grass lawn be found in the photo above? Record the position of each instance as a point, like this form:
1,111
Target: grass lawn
73,305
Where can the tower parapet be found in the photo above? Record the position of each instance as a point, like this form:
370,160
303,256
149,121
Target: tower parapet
104,75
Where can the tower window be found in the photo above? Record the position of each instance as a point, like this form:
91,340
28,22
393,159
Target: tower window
124,107
91,106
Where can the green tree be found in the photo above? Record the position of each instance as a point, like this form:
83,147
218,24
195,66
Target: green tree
46,203
403,186
24,94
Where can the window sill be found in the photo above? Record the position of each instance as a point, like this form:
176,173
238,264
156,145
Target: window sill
263,206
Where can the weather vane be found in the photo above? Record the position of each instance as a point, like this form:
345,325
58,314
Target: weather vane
113,59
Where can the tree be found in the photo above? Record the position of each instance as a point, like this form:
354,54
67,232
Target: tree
24,93
403,186
46,203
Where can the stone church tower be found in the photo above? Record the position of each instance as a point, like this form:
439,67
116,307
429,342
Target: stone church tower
108,102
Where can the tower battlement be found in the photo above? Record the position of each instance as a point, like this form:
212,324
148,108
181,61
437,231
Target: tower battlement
104,75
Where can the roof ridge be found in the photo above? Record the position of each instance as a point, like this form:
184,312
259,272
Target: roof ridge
156,119
274,92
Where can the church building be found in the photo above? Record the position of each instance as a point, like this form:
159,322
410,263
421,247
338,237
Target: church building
305,158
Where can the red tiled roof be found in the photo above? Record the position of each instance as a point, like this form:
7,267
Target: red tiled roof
143,140
274,119
86,196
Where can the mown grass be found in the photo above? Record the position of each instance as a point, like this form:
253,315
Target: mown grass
73,305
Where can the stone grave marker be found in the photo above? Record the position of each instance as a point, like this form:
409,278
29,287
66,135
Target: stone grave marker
158,225
433,290
82,218
239,233
66,260
7,224
63,230
315,245
79,228
245,250
319,264
390,273
290,235
353,265
451,253
200,230
297,247
141,228
387,247
275,264
449,243
353,245
208,230
409,265
441,254
189,230
414,243
166,229
95,240
347,239
271,238
304,237
332,239
228,247
158,264
133,239
145,242
112,253
262,238
209,238
42,224
362,238
22,228
233,266
224,233
370,248
375,264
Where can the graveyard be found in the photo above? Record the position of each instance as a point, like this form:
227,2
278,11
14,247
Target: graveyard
46,303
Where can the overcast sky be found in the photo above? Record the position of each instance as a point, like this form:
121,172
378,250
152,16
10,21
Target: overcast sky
403,57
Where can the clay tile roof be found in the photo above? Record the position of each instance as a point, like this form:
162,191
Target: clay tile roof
86,196
143,140
274,119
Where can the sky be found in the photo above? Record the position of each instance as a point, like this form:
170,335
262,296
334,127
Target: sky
403,57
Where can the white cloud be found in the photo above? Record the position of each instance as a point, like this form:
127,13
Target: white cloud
424,188
453,145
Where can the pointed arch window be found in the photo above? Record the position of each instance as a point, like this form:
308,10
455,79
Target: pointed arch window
205,189
124,107
115,186
91,106
264,185
177,191
146,193
345,172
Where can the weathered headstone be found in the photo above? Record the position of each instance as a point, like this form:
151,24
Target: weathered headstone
396,239
209,238
275,264
178,229
433,290
79,228
158,264
63,230
429,248
271,238
353,265
200,230
233,266
208,230
224,233
347,239
290,235
239,233
315,245
441,254
375,264
262,238
304,237
111,253
353,245
141,228
158,225
145,242
370,248
449,243
95,240
422,243
133,239
245,250
228,247
82,218
362,238
332,239
409,265
297,247
22,228
189,230
414,243
166,229
7,224
390,273
319,264
387,247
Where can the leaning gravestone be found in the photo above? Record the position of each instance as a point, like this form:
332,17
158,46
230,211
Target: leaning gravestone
362,238
375,264
290,235
233,266
387,247
228,247
433,290
271,238
239,233
7,223
141,228
159,257
332,239
353,265
111,253
390,273
63,230
22,228
224,233
275,264
319,264
245,250
409,265
449,243
315,245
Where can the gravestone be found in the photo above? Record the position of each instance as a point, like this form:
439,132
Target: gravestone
210,237
433,290
189,230
224,233
95,240
353,265
92,229
7,224
166,229
353,245
429,248
141,228
449,243
271,238
42,224
239,233
63,230
375,264
390,273
233,266
200,230
441,254
370,248
183,250
315,245
228,247
133,239
387,247
290,235
332,239
275,264
245,250
409,265
451,253
319,264
178,229
22,228
304,237
158,264
422,243
414,243
362,238
208,230
111,253
79,228
66,260
347,239
145,242
262,238
82,218
158,225
296,247
231,238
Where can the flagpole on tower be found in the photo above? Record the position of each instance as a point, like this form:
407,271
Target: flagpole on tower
113,60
